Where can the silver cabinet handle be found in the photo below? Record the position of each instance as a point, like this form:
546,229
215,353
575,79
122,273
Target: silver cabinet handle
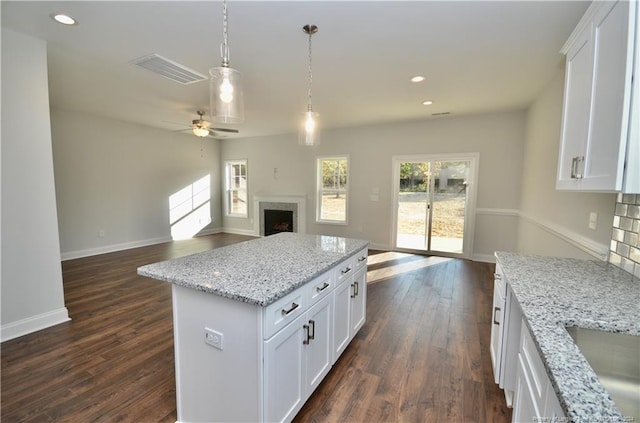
575,165
495,310
361,259
354,289
293,307
345,271
357,288
306,328
323,287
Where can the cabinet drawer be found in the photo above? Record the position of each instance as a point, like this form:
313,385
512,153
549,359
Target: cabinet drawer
320,287
345,269
360,259
284,311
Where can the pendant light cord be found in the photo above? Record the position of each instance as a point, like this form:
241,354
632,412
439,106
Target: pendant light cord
310,76
225,43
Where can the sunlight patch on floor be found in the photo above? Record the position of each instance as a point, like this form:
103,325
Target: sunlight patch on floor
388,264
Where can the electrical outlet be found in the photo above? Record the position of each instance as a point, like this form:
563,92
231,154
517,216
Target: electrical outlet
101,233
593,220
213,338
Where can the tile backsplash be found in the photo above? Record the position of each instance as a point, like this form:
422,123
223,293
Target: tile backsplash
625,239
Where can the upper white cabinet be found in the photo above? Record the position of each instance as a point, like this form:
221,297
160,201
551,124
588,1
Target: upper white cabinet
599,148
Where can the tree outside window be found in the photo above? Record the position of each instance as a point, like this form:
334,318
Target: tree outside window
333,175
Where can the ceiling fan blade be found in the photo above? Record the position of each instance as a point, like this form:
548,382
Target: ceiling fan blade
233,131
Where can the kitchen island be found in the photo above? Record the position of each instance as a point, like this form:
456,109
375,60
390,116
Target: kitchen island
257,325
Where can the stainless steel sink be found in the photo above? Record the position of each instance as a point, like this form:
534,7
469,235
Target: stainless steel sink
615,357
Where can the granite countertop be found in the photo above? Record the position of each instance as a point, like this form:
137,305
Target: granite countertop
557,292
258,271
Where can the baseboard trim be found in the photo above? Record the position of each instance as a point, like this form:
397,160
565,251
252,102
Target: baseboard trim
485,258
34,323
235,231
70,255
589,246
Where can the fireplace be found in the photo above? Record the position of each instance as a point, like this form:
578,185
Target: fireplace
289,212
277,221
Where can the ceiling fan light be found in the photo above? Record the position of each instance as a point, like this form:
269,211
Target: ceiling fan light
200,132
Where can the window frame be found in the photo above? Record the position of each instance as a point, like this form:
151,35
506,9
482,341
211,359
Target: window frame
228,190
320,190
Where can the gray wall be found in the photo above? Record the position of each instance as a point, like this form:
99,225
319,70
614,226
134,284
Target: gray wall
32,294
117,177
498,137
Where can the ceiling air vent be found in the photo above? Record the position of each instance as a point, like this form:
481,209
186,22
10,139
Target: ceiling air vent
169,69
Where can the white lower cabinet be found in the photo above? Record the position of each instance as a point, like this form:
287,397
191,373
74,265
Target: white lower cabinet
296,360
535,399
505,335
349,309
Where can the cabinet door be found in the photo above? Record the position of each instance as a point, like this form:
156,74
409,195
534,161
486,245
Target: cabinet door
524,405
577,107
358,301
613,62
342,318
495,348
319,349
283,373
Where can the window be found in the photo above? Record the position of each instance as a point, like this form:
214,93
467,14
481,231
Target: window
332,183
236,191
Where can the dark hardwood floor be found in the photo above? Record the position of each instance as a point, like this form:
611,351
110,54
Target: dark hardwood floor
422,356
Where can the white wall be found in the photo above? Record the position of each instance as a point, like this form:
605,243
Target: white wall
556,222
497,137
32,294
117,177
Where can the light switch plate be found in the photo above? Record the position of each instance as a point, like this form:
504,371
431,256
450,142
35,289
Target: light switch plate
593,220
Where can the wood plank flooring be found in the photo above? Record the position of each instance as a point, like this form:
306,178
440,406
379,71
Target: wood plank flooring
422,356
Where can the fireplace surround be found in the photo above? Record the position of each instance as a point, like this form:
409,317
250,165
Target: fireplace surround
293,203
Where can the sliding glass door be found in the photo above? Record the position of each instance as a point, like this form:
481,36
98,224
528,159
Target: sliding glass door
434,203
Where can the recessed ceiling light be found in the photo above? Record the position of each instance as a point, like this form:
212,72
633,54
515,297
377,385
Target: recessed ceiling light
417,78
63,19
427,102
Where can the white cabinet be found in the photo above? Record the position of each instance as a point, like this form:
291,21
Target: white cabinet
296,360
598,152
535,399
358,304
505,335
349,302
495,349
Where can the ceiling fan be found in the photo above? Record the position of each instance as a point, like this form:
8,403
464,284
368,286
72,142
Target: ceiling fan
202,128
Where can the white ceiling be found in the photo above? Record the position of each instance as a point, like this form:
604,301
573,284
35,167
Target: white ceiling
477,56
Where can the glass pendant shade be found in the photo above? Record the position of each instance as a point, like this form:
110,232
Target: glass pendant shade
309,135
225,95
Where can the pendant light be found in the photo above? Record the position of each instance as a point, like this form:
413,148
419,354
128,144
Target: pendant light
308,134
225,86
